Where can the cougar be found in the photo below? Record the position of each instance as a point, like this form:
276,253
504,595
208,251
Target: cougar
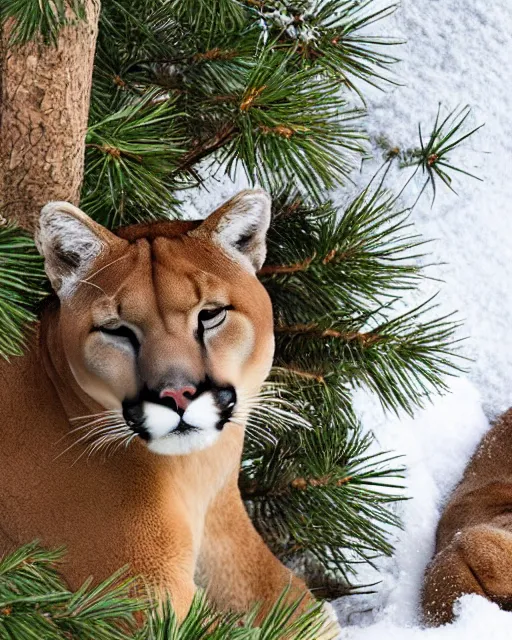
123,425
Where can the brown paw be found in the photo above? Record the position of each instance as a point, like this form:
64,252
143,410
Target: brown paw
478,560
488,553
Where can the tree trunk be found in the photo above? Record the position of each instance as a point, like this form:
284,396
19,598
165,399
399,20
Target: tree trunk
44,106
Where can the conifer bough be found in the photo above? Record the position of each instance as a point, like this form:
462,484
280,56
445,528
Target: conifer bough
35,604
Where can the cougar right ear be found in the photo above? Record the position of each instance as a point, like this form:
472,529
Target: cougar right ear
70,242
239,227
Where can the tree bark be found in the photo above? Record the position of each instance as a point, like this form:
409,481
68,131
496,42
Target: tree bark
44,107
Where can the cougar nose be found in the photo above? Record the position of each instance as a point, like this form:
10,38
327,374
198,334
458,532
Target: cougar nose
182,397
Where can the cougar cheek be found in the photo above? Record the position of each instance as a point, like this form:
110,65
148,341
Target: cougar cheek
232,348
112,366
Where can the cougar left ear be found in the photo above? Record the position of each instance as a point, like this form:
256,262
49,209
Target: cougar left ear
240,226
70,242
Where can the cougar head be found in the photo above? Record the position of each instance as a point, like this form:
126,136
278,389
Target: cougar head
164,322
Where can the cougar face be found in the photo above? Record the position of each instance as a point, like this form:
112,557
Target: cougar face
165,323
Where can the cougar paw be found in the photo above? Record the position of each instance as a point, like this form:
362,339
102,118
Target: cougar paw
478,560
488,553
330,629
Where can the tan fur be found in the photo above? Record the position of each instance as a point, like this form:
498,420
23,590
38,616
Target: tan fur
474,537
175,520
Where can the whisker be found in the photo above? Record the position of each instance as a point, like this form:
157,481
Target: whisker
126,255
92,426
96,286
130,438
266,413
85,437
110,442
124,441
95,415
94,423
96,446
97,429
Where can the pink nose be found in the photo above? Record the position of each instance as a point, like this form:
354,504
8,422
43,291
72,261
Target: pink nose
182,397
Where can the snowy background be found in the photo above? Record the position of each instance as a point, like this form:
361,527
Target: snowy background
458,52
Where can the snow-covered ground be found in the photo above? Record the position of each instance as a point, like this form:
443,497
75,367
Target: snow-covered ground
458,52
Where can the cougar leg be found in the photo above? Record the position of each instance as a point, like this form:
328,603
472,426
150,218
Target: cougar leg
238,569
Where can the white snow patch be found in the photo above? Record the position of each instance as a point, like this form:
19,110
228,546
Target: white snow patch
436,446
477,619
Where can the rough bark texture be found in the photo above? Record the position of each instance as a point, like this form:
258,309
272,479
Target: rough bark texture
44,106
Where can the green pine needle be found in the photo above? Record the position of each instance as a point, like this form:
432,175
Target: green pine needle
38,18
35,604
292,126
22,286
433,157
321,258
321,493
131,155
215,15
332,36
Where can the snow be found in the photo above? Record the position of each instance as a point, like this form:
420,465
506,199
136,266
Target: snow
476,618
458,52
436,445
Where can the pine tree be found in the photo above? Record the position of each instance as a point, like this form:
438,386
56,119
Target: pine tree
186,89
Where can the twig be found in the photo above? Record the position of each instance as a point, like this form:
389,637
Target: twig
252,489
206,147
115,152
308,375
366,339
271,269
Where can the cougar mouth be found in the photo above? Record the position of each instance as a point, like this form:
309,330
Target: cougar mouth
169,429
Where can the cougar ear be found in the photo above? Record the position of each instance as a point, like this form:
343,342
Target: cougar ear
70,242
240,226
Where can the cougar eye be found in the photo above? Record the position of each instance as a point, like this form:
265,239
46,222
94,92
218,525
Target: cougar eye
210,318
123,332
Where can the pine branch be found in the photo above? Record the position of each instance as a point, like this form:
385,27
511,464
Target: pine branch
270,269
433,158
432,155
365,339
36,604
292,126
251,112
331,36
253,490
217,15
320,260
22,286
327,342
202,623
38,18
131,157
206,147
403,360
323,495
